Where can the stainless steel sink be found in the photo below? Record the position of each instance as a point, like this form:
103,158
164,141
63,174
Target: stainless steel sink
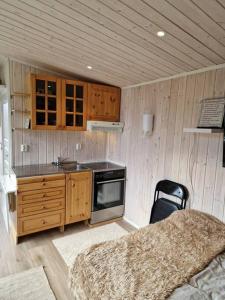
70,166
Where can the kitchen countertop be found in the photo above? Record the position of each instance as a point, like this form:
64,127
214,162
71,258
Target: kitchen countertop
46,169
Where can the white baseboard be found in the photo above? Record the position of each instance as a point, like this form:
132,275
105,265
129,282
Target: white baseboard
131,223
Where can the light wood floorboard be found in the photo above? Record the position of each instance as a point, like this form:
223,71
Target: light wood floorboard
38,249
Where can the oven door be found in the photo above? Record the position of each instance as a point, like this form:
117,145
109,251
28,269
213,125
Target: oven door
108,193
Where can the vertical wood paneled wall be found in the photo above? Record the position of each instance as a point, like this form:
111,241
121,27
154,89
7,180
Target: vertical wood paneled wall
192,159
46,145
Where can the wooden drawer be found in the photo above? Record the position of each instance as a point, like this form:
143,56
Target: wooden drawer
40,222
40,182
40,207
40,195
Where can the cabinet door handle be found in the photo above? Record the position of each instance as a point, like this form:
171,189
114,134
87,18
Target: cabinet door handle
73,185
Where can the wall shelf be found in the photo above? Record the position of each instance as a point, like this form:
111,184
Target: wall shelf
20,94
21,111
203,130
14,129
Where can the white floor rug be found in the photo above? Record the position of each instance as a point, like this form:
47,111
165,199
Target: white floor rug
70,245
28,285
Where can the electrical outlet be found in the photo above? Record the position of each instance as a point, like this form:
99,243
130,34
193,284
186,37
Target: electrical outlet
24,148
78,146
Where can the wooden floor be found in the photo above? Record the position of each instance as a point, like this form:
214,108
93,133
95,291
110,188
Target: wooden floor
36,250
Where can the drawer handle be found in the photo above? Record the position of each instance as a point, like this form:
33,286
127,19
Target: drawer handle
44,184
44,195
43,207
44,222
74,185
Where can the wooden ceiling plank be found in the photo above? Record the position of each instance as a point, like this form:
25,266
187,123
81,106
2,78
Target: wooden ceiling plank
132,21
214,9
39,21
144,8
110,20
143,54
52,63
44,54
49,50
153,28
197,15
115,59
117,37
121,41
187,25
60,50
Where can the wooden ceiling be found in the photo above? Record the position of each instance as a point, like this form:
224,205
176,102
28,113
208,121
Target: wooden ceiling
116,37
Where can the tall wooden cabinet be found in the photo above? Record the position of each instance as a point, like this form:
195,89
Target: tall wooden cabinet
46,102
78,196
74,99
103,103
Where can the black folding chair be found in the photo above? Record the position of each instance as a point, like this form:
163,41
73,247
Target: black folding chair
163,207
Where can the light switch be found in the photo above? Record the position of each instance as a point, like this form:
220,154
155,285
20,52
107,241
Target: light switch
24,148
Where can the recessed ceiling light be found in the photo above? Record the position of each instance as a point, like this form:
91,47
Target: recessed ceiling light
160,33
89,67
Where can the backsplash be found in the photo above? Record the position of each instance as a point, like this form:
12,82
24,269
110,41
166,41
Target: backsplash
46,145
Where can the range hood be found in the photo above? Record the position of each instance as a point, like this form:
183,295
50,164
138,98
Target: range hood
105,126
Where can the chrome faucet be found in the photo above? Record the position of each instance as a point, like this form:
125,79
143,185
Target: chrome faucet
59,161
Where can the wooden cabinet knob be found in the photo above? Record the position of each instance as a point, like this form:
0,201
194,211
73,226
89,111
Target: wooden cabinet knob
44,222
73,185
44,184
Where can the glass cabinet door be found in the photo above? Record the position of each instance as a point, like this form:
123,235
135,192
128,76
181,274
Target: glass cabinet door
46,102
74,94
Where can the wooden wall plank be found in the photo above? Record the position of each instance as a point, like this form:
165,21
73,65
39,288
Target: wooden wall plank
193,160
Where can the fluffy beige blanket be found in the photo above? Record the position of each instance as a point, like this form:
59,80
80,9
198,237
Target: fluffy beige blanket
151,262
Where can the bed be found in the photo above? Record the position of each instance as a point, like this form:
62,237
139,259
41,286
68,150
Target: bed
181,257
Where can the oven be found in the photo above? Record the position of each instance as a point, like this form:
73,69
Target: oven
108,195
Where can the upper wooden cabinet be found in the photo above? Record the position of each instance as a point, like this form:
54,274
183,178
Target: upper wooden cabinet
68,104
74,99
103,103
46,102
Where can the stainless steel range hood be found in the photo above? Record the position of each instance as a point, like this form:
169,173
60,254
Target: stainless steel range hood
105,126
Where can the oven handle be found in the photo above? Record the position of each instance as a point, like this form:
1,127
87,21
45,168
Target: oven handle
108,181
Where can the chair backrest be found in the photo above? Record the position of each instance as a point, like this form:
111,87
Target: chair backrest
163,207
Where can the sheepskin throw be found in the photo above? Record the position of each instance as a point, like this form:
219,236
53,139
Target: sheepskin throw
151,262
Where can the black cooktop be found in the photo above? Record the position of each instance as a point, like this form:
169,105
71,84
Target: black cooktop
102,166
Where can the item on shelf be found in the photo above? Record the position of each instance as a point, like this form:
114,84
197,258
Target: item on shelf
212,113
26,124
